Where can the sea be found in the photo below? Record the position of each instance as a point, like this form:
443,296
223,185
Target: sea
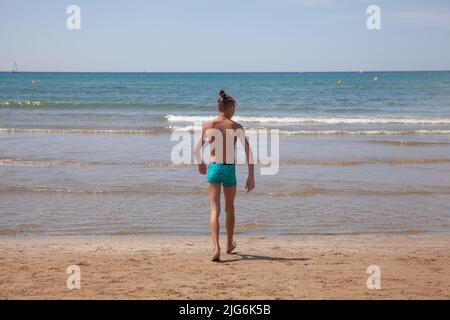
90,154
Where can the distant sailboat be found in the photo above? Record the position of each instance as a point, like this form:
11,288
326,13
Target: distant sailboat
14,70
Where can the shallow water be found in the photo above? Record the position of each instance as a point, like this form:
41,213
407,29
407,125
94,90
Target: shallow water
89,154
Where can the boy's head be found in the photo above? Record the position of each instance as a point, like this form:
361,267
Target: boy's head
226,103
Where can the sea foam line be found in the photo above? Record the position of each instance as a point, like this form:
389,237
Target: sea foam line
83,131
193,128
302,192
43,163
363,132
318,119
11,162
336,132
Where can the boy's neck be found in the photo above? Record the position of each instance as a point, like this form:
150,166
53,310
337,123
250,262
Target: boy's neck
224,115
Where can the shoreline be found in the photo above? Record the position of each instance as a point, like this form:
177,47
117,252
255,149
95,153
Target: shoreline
413,266
238,233
163,234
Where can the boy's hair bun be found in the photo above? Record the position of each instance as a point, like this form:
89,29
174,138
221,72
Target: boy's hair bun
224,101
223,95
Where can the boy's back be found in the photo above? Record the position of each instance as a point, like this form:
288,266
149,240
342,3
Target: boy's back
222,124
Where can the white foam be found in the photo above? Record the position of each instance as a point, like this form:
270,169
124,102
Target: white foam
21,103
337,132
172,118
42,162
192,128
81,131
186,128
363,132
319,119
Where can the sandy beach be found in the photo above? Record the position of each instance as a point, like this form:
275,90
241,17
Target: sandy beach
287,267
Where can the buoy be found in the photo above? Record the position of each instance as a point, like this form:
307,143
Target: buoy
339,81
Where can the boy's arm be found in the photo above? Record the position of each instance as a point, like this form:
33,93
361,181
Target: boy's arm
250,183
198,152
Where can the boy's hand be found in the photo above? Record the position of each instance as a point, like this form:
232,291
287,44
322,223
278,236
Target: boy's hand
250,184
202,168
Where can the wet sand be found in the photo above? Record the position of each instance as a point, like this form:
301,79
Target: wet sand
413,266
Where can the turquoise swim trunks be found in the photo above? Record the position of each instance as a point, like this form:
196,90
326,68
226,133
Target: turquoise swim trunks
222,173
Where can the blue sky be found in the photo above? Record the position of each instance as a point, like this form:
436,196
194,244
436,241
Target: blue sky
233,35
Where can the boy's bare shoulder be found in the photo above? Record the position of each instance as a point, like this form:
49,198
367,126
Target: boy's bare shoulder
236,125
208,124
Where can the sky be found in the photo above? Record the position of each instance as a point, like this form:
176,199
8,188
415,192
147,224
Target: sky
224,36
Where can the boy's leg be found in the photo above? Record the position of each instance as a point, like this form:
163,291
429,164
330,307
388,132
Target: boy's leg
230,194
214,200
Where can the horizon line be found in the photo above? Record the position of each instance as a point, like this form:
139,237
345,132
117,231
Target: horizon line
231,72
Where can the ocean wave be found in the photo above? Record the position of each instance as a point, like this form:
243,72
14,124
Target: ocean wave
312,191
185,128
333,132
181,191
166,165
363,132
416,161
161,130
408,143
350,110
17,162
318,120
43,163
325,163
151,190
125,105
154,131
347,163
24,103
14,162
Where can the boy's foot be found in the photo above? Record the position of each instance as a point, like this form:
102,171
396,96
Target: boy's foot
216,255
231,247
